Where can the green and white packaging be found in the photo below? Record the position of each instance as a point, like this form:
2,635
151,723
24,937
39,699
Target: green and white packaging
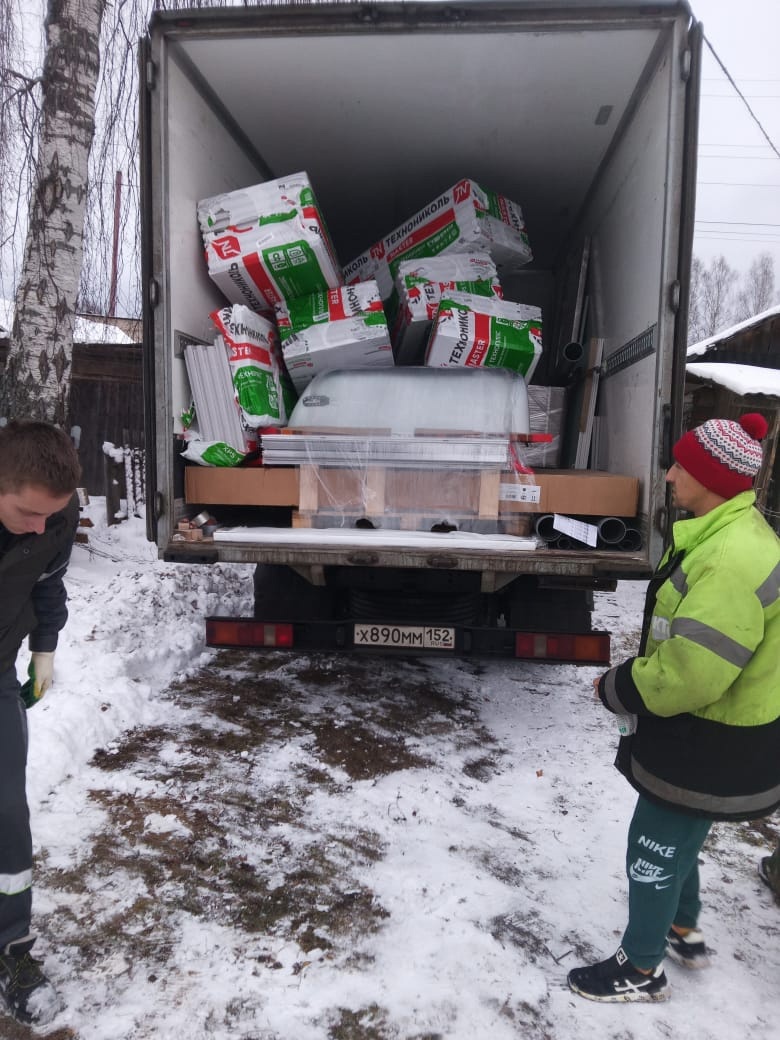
471,331
465,219
252,344
420,285
342,328
268,243
212,453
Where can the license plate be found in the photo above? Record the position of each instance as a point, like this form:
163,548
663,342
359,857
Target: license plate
405,637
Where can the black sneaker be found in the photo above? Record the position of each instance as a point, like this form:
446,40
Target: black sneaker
689,950
30,996
616,981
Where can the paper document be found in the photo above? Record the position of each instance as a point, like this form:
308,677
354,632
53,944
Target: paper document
578,529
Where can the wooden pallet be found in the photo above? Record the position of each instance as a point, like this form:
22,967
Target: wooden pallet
378,491
406,499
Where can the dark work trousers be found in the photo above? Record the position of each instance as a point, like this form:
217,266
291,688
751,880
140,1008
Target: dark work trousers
663,878
15,837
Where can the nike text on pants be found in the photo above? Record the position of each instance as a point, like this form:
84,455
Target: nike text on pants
663,878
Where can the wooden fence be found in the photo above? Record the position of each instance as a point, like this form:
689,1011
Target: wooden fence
106,404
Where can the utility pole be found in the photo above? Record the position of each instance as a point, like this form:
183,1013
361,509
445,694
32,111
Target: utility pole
115,250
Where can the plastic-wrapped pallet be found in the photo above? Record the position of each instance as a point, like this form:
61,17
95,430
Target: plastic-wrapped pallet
420,285
268,243
473,331
546,405
343,328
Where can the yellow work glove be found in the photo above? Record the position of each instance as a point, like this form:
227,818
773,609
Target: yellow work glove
41,673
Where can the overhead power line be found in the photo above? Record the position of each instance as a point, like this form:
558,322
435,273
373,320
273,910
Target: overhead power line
740,184
730,78
740,223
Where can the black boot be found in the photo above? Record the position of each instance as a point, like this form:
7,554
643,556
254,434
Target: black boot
30,996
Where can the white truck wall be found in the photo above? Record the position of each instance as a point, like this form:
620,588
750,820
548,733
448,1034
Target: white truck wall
633,263
202,158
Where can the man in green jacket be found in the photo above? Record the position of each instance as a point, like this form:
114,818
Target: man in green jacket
39,472
703,700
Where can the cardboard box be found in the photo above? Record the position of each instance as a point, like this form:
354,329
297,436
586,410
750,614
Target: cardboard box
253,486
572,492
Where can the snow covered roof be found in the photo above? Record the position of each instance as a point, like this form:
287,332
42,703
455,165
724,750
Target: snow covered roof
696,349
742,379
84,330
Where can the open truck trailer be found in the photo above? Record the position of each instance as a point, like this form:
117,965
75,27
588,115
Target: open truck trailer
585,114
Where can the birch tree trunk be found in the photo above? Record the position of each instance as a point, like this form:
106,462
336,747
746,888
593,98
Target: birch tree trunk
38,370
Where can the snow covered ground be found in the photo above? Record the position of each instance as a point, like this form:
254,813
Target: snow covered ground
285,847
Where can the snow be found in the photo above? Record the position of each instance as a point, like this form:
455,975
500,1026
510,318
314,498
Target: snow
695,349
84,330
742,379
491,855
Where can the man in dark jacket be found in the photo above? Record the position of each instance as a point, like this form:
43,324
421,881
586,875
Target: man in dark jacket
702,704
39,473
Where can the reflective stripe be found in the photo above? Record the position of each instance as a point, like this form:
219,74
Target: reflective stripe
610,692
48,574
769,591
679,581
711,804
711,639
12,884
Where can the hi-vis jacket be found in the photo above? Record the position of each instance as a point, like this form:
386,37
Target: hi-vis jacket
32,592
706,684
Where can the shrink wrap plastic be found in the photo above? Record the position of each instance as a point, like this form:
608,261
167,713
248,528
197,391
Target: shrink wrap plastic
420,285
268,243
473,331
410,449
343,328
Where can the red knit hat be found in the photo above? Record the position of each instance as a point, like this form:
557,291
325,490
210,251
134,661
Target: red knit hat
722,454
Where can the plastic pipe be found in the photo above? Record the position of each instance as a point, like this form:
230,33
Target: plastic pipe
612,530
545,529
631,540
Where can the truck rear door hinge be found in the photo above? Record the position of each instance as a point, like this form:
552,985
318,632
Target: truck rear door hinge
674,296
151,74
154,293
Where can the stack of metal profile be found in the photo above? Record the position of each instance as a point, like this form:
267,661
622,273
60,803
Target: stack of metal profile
347,450
216,411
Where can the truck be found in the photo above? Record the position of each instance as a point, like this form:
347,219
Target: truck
585,113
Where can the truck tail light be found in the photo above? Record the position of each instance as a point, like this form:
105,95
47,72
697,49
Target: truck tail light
592,648
247,632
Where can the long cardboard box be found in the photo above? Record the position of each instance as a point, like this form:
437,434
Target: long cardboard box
253,486
573,492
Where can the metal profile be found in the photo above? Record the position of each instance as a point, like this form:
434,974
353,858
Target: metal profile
639,347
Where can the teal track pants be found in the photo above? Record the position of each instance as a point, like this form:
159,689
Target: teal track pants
663,878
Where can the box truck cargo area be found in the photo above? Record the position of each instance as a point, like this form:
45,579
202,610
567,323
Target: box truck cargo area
584,116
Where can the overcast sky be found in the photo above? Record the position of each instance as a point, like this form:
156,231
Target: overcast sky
738,193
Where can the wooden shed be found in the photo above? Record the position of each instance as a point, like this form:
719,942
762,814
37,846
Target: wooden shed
738,371
106,402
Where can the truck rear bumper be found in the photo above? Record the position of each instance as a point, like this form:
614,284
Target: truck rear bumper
379,637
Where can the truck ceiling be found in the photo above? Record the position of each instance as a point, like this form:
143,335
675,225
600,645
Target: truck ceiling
409,110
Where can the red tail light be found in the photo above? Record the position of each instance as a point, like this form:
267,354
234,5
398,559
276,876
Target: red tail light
556,646
247,632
